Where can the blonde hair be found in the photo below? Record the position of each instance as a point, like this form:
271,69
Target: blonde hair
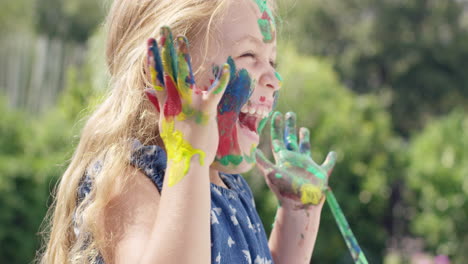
124,116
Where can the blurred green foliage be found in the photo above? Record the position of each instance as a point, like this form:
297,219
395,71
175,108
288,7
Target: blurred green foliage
415,50
34,153
437,180
399,175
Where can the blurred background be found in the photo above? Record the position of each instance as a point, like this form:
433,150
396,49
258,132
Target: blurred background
382,82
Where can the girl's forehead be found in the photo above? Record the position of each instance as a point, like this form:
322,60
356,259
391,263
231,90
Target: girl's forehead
245,18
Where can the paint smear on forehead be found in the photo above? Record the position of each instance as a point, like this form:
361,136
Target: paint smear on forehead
266,22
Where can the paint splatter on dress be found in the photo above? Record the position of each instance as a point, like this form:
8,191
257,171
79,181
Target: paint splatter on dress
237,233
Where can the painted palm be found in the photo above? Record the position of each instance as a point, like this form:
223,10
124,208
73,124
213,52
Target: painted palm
180,100
295,177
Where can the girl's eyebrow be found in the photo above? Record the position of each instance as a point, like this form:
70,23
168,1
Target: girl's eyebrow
249,38
252,39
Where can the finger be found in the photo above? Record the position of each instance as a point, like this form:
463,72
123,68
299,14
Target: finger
290,136
218,88
329,162
173,103
151,94
185,80
168,54
304,141
277,141
238,90
154,65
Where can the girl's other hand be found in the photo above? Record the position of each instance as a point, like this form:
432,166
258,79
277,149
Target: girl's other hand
296,179
187,121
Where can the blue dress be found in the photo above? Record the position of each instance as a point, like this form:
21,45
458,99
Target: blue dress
237,233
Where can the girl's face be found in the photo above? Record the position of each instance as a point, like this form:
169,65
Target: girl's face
247,34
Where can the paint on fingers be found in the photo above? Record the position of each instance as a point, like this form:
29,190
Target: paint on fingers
155,65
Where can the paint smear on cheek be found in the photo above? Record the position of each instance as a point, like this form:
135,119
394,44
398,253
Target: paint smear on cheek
236,95
179,152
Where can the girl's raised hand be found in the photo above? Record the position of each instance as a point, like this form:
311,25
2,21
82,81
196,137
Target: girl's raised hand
296,179
187,122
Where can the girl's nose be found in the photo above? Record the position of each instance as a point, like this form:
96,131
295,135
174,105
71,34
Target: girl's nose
270,79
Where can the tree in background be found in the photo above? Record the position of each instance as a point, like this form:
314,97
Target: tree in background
34,153
438,186
413,50
70,19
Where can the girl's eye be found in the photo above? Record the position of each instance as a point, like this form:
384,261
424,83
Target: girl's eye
273,64
248,54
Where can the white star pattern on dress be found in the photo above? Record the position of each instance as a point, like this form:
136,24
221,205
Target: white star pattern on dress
234,220
214,218
230,242
218,258
247,256
260,260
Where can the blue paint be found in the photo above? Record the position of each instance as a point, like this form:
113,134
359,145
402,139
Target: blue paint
157,61
238,90
275,98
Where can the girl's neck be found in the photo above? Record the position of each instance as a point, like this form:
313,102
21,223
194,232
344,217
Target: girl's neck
216,179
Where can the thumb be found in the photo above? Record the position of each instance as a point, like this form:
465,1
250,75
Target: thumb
216,91
329,162
151,94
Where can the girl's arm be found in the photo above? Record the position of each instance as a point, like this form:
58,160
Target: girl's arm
292,239
180,230
298,183
169,228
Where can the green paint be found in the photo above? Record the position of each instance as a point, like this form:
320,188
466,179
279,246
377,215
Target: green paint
278,76
278,176
261,125
316,172
266,22
251,158
223,80
265,28
234,159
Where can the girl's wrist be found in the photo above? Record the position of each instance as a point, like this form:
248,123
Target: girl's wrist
293,207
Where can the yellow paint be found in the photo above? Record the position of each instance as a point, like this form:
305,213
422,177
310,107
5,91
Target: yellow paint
179,152
154,76
310,194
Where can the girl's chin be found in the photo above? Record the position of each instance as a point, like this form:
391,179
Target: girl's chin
247,140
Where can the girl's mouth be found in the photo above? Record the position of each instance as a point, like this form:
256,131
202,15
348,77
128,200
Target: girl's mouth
250,116
248,121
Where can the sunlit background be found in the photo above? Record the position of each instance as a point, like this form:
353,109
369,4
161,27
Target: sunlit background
384,83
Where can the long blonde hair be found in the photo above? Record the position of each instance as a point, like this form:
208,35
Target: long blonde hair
124,116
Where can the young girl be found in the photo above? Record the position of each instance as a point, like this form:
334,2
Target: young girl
155,177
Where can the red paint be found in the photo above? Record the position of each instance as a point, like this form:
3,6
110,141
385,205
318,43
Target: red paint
266,16
228,141
173,105
153,99
262,99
